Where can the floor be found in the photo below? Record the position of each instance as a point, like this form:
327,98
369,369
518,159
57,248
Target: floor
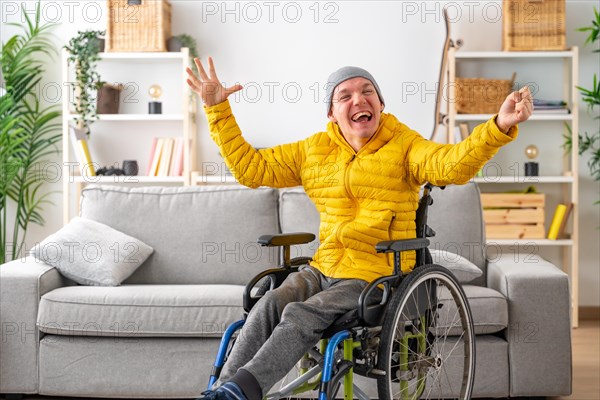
586,365
586,362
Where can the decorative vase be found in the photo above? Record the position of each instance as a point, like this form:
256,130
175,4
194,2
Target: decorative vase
108,99
130,167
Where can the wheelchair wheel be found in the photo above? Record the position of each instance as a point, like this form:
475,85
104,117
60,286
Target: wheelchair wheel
427,346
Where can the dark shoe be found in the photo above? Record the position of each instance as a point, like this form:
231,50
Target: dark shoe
228,391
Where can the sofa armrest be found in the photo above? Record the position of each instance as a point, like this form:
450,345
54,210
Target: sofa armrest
22,283
539,331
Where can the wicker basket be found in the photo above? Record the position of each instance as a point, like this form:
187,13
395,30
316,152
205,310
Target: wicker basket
481,96
144,27
533,25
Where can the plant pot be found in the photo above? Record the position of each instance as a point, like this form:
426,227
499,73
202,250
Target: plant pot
174,44
108,99
101,43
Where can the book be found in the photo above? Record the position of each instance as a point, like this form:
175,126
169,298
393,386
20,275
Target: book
156,157
151,158
549,103
550,107
74,137
176,168
165,157
563,224
82,152
556,221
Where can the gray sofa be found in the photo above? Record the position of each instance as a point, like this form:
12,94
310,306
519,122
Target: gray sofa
156,335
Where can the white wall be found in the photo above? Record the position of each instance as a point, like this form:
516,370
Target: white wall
283,51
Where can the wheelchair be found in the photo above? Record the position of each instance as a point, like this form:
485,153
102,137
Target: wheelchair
417,340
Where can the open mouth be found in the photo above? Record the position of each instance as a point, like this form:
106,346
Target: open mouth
362,116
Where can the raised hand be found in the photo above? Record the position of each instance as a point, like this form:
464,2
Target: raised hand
517,108
209,87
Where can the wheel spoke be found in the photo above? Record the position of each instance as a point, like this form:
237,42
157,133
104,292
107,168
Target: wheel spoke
422,339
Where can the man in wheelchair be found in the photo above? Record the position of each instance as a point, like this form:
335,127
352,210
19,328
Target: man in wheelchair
364,174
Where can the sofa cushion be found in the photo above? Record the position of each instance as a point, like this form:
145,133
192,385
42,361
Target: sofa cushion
91,253
464,270
75,367
141,310
488,307
199,234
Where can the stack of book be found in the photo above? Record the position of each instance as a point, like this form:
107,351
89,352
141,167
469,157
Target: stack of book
166,157
550,107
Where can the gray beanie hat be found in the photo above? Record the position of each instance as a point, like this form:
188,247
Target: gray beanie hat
343,74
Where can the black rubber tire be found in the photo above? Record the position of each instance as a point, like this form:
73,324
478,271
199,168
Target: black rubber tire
449,347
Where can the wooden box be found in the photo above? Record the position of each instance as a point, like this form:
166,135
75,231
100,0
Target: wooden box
533,25
513,216
144,27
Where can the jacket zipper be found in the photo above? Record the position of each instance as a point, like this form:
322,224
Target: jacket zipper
350,196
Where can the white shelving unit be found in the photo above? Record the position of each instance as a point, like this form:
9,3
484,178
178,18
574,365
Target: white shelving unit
136,117
183,122
538,117
568,181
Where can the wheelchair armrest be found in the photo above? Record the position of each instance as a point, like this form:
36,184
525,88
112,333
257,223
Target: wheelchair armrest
372,314
389,246
275,277
286,239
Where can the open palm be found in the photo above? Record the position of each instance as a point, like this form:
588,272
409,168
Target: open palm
208,86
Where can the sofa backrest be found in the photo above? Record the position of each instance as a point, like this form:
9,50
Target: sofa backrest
199,234
455,216
297,213
207,234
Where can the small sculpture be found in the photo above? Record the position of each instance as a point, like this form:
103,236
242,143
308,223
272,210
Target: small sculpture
110,171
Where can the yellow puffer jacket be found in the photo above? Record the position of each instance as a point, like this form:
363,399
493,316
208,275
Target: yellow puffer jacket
362,197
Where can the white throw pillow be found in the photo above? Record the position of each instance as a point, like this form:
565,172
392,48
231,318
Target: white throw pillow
464,270
93,254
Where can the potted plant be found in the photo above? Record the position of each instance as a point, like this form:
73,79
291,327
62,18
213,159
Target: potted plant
28,133
590,142
175,43
84,52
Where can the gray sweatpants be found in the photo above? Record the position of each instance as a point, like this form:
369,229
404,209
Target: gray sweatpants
287,322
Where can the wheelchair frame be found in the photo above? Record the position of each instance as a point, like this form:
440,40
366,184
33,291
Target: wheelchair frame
360,335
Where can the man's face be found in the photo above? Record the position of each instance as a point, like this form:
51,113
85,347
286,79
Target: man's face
356,108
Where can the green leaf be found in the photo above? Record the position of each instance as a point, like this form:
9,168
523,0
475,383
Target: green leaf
28,132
